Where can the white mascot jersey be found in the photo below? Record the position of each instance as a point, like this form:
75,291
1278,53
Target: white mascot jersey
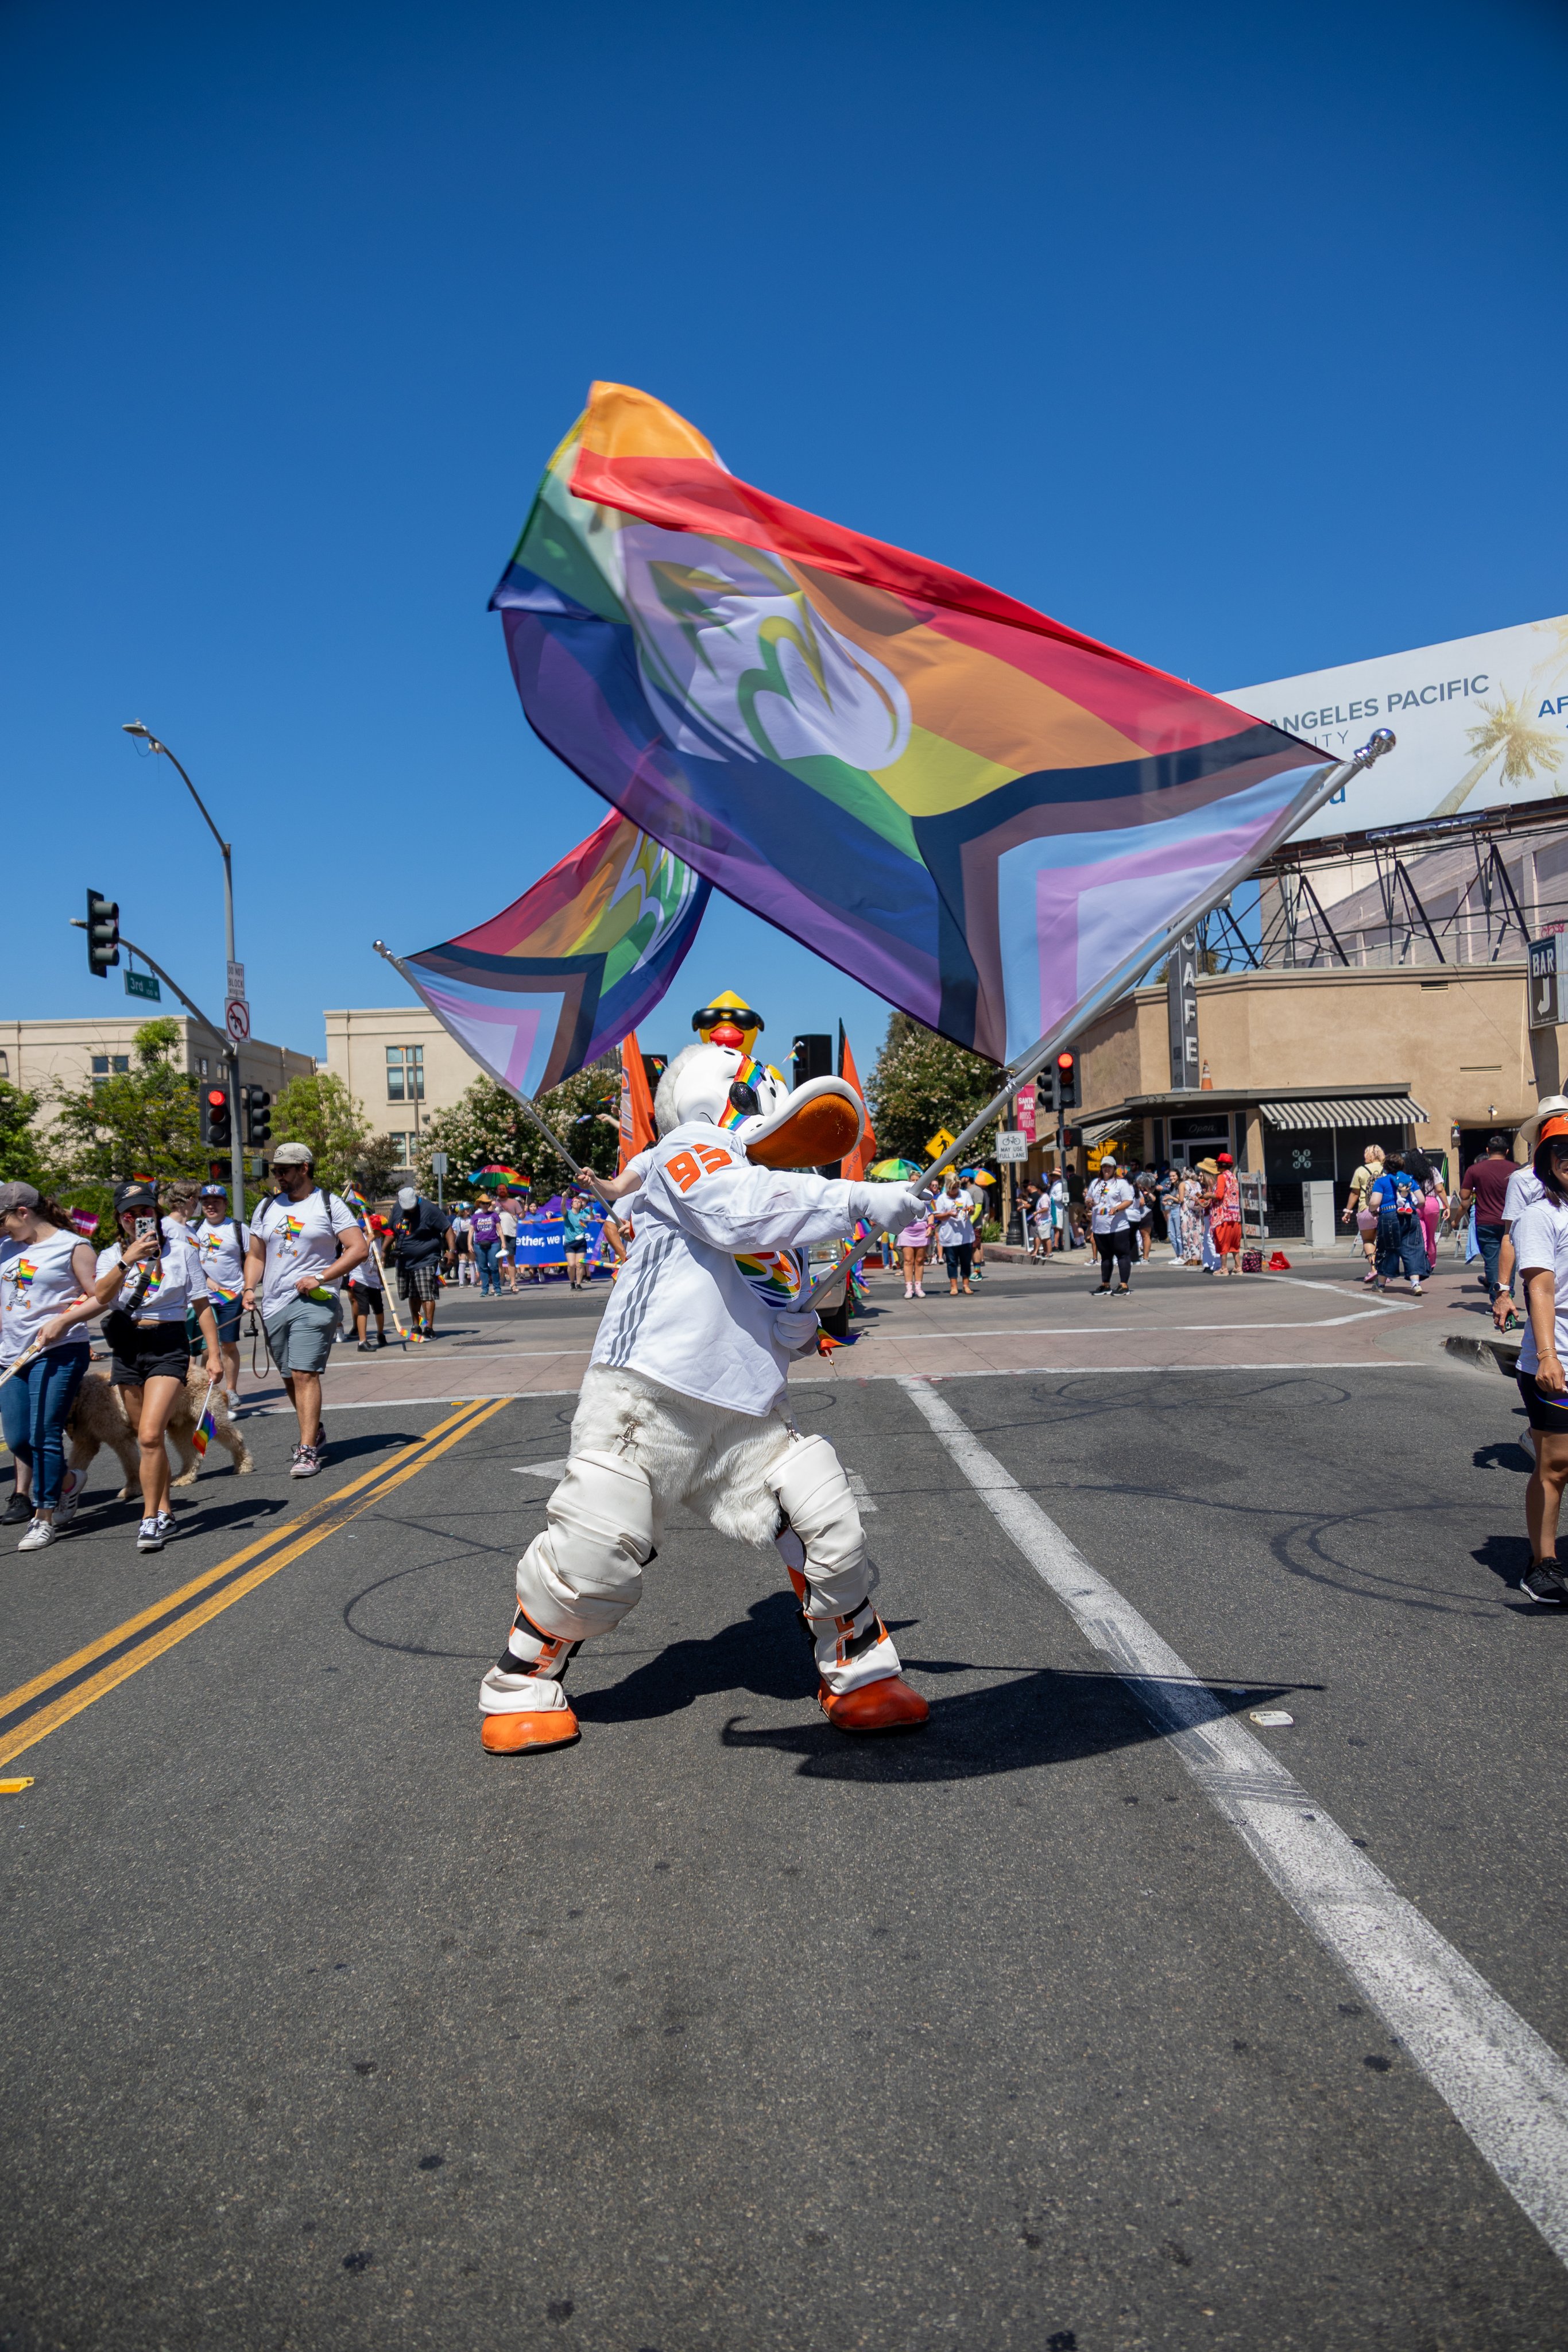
708,1299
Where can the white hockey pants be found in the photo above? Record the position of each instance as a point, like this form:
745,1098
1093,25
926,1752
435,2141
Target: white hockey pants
581,1575
823,1546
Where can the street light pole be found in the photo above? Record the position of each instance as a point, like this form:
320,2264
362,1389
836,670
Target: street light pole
231,1050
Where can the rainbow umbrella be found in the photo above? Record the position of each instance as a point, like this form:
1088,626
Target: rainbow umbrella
494,1168
893,1172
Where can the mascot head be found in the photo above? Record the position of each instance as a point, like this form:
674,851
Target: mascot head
815,1123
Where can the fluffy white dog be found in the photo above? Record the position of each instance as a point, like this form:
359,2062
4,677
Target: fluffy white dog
684,1399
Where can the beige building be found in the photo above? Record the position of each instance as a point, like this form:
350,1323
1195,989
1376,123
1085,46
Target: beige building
42,1055
401,1064
1301,1067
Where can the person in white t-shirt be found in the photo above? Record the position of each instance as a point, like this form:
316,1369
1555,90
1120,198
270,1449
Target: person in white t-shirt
684,1399
1109,1200
148,1278
220,1242
303,1241
1524,1187
1541,1247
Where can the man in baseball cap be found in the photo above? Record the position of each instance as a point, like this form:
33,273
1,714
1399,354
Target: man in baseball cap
303,1241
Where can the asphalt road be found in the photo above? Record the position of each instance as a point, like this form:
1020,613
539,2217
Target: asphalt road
720,2030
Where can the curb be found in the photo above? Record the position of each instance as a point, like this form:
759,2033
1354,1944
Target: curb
1484,1355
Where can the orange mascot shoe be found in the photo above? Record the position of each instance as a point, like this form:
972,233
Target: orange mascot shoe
509,1734
889,1705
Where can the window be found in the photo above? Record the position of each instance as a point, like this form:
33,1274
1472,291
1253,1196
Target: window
5,1063
405,1074
202,1059
103,1064
400,1144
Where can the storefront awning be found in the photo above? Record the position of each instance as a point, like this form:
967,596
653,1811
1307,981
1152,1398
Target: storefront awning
1350,1111
1092,1131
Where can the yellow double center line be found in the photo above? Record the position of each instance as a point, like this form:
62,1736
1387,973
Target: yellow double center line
33,1709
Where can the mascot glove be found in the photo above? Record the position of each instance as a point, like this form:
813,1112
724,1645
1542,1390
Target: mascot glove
796,1331
888,1208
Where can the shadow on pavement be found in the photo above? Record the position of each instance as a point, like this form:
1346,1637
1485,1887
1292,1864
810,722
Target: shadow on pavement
1042,1718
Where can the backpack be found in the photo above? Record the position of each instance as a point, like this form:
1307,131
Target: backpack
1407,1194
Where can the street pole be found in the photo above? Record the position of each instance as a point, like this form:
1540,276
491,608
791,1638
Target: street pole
231,1050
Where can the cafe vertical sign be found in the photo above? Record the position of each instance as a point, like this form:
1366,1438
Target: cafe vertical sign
1181,998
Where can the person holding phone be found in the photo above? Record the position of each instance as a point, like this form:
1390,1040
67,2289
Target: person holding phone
149,1277
45,1301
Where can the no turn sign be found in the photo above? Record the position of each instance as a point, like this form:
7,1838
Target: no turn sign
236,1019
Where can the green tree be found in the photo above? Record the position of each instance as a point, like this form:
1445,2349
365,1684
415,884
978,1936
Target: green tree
484,1124
320,1111
144,1122
923,1082
21,1161
585,1112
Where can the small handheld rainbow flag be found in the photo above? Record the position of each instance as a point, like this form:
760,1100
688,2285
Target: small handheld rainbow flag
207,1424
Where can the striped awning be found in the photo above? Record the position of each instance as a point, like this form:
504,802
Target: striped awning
1348,1110
1094,1130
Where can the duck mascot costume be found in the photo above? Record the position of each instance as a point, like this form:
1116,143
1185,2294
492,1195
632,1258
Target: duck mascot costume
684,1399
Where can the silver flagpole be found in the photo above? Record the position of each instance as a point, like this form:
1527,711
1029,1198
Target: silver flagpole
1133,967
583,1175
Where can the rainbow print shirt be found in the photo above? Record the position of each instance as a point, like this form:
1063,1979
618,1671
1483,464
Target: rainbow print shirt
774,1275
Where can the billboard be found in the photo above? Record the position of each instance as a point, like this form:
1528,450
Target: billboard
1480,721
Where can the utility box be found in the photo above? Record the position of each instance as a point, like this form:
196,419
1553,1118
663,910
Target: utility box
1317,1215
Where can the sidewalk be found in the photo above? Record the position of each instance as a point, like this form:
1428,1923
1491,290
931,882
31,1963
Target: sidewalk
1021,1318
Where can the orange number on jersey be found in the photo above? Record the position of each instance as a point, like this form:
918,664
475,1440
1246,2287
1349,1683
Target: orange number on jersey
685,1172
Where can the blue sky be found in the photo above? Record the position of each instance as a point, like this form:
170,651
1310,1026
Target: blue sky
1234,336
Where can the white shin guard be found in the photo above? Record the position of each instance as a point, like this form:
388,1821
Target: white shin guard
823,1548
578,1578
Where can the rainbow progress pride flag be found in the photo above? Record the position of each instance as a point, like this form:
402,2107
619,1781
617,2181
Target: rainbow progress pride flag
564,973
975,810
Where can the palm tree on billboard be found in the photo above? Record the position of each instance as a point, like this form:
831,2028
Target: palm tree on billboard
1524,747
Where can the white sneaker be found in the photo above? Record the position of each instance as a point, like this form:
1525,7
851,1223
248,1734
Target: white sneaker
166,1527
71,1494
40,1533
909,1290
150,1536
231,1398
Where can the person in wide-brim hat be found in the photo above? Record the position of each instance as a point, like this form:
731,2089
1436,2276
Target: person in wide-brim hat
1529,1135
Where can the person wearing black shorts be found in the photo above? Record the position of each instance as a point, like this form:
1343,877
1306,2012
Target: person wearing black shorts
149,1276
1540,1251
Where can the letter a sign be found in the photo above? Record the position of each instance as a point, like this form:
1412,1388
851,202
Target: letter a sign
1181,997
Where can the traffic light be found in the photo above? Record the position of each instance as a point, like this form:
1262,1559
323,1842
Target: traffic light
257,1118
103,933
217,1130
1064,1083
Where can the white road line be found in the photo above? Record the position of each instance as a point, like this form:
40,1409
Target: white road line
861,1491
1506,2086
1116,1327
551,1470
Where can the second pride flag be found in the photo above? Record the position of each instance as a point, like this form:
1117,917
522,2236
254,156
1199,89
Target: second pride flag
975,810
563,974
